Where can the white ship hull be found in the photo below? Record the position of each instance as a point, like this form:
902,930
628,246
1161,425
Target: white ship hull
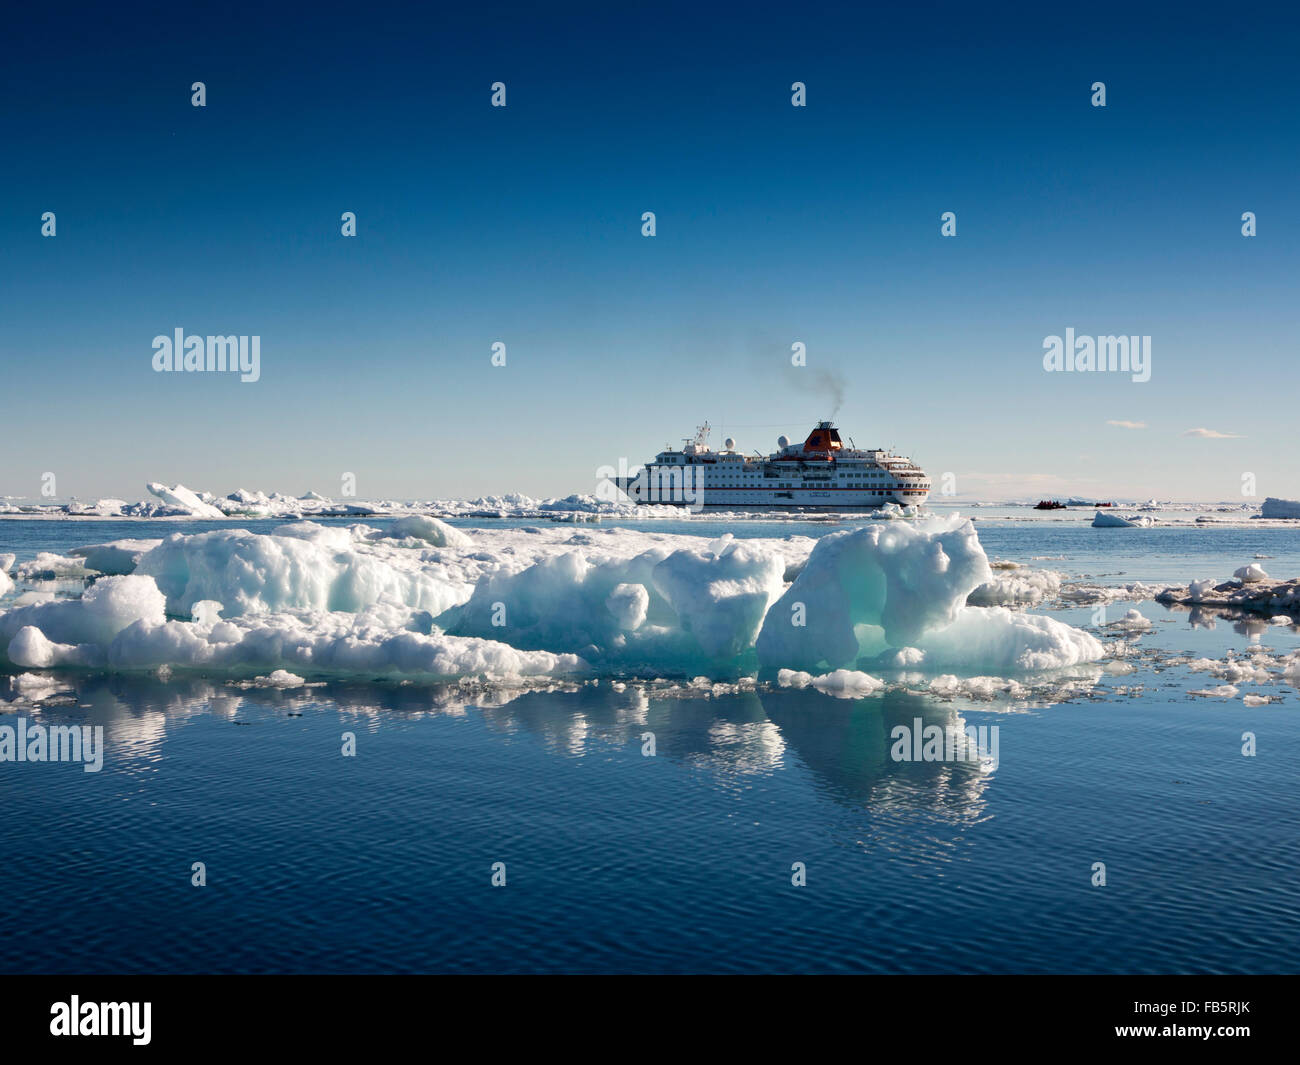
729,498
819,474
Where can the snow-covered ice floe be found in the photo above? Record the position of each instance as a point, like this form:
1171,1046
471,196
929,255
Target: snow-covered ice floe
422,599
1250,590
1280,508
1105,519
1015,585
1133,622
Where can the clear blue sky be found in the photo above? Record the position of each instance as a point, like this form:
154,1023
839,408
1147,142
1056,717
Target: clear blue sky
775,224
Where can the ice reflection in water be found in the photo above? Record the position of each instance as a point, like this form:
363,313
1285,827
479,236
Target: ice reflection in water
844,744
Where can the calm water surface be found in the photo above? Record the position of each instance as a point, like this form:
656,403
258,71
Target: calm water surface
679,862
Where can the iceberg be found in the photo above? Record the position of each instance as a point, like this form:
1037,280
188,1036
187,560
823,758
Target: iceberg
1280,508
424,599
1111,520
1251,573
432,531
79,631
182,501
1257,596
866,591
1104,520
1018,586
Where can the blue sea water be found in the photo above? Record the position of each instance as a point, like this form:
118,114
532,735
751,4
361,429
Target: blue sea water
681,861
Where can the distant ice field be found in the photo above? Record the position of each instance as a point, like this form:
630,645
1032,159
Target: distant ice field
1163,553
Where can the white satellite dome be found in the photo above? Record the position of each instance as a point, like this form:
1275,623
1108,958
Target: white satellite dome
729,444
782,441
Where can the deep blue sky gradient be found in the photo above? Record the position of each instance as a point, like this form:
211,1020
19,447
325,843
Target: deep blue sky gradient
522,224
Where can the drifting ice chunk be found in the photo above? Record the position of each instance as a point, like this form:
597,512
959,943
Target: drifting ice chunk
184,500
866,591
1250,574
243,502
432,531
1133,621
900,579
1002,639
847,684
1223,691
1280,508
1020,586
976,687
1260,596
117,558
110,605
280,678
1104,520
842,683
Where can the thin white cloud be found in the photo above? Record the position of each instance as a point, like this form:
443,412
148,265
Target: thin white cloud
1126,425
1212,434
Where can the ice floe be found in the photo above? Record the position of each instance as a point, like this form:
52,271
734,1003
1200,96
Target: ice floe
421,598
1018,586
1258,595
1280,508
1223,691
866,591
182,501
1133,621
1106,519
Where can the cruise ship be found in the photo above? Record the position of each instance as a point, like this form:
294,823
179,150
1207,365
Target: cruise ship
820,472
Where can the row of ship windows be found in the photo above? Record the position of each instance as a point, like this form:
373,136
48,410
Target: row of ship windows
733,478
750,471
863,487
914,486
851,484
